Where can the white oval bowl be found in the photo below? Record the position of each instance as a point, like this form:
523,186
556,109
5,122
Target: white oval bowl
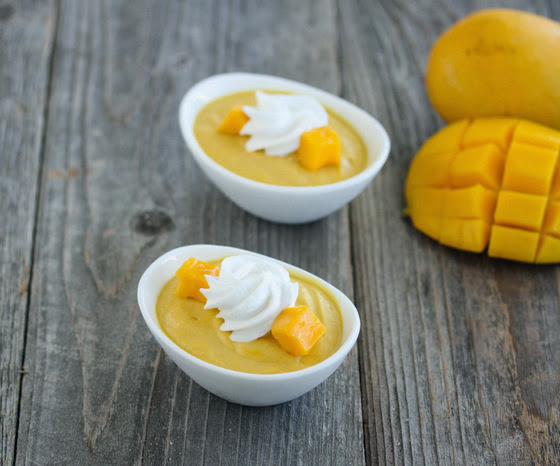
241,387
284,204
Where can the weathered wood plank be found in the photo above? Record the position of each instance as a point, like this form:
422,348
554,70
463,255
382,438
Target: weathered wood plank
459,353
26,39
118,190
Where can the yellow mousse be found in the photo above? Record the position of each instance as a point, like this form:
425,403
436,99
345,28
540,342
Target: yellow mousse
197,331
229,151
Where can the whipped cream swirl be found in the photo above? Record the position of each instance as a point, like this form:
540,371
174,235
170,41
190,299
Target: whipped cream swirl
277,122
249,292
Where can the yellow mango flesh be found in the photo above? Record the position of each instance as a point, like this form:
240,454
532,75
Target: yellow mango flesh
297,329
319,148
490,183
497,62
192,277
234,121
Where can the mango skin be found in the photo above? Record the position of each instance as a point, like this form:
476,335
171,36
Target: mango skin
497,62
490,183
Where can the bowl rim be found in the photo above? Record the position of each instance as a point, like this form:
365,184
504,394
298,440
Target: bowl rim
345,304
289,85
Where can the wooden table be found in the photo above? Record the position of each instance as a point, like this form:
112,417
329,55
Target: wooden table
458,360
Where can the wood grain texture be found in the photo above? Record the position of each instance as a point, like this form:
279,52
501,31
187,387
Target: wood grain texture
118,190
26,36
459,353
458,361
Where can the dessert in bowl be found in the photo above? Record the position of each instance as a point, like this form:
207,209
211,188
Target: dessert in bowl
258,367
268,187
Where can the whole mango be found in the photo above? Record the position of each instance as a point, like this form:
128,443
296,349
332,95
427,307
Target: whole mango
490,182
497,62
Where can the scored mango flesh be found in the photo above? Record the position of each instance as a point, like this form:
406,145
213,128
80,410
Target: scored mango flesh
490,183
318,148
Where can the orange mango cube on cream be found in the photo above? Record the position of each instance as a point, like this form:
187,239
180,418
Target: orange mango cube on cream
319,148
493,185
192,277
297,329
234,121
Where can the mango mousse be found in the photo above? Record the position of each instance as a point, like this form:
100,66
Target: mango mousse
247,313
281,139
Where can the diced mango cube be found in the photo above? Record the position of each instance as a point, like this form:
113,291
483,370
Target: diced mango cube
467,234
475,202
297,329
549,250
427,201
447,139
192,277
429,172
551,224
478,165
520,210
428,224
538,135
485,130
319,148
234,121
513,243
529,169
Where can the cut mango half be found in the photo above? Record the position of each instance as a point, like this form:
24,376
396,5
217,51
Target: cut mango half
490,183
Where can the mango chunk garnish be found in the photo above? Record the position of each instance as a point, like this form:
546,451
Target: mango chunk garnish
319,148
297,329
234,121
192,277
499,189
